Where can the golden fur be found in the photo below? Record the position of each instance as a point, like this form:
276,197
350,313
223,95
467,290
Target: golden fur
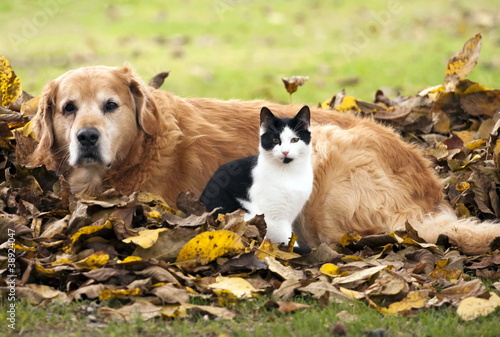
367,179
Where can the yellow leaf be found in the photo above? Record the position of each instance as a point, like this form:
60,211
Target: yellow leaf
350,237
291,243
461,210
326,104
442,263
27,130
208,246
474,87
351,294
269,248
465,136
462,186
21,247
450,275
95,260
155,202
330,269
10,85
474,144
226,298
351,258
414,300
41,269
30,107
131,259
107,294
348,104
471,308
462,63
87,230
145,238
238,286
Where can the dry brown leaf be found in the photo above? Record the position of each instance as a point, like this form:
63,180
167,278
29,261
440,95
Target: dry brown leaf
286,272
291,306
321,288
358,277
157,274
211,310
37,294
168,245
292,83
170,294
287,289
127,313
462,63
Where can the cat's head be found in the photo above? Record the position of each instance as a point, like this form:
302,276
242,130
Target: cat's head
285,139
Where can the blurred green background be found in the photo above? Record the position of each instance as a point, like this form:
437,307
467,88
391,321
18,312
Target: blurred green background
242,48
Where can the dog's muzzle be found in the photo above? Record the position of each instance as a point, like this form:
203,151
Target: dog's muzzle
88,145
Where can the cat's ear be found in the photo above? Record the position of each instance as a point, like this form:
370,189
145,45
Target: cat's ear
266,117
304,117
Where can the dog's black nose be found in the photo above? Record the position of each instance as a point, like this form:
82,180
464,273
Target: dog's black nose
88,136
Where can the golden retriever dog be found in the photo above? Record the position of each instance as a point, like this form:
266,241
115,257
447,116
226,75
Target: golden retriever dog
102,127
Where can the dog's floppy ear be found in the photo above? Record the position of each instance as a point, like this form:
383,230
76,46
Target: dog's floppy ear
146,109
42,123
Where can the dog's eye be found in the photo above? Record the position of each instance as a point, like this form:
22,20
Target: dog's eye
110,106
70,108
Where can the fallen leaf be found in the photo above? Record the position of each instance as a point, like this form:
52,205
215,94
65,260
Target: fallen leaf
238,286
208,246
414,300
145,238
330,269
127,313
10,85
168,245
358,276
472,308
286,272
171,294
291,306
211,310
462,63
292,83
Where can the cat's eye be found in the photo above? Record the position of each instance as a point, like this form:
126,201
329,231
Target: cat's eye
276,140
294,140
110,106
69,108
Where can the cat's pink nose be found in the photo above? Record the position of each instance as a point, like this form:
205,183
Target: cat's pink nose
285,153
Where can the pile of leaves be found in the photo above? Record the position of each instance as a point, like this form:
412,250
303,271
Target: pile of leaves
155,259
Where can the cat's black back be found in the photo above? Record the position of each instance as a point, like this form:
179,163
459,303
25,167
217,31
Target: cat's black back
229,183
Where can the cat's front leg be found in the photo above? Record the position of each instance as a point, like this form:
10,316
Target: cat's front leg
279,231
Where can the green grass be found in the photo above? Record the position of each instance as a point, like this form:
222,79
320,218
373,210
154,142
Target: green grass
241,48
252,320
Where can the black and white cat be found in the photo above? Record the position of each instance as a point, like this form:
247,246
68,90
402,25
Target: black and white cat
276,183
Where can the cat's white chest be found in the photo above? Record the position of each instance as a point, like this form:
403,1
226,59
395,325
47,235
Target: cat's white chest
280,191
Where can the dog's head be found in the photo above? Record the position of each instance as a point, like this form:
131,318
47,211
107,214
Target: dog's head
91,116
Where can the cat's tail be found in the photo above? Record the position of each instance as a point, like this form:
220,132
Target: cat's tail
470,235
